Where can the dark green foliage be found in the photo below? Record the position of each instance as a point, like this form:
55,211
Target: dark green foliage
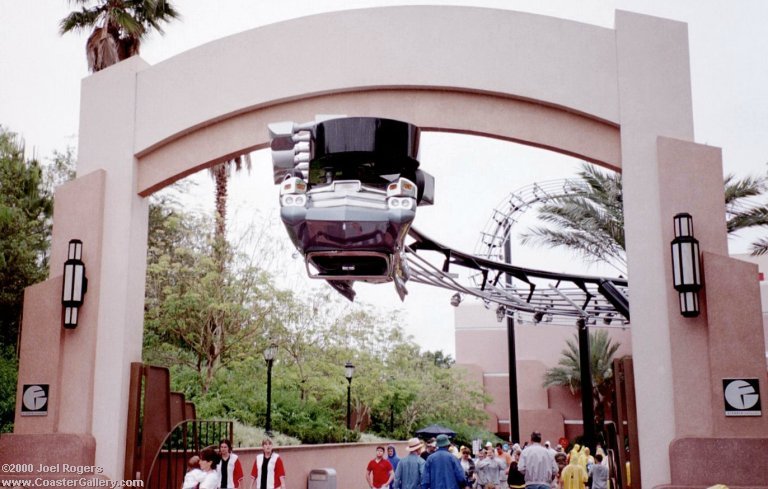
568,371
9,368
26,205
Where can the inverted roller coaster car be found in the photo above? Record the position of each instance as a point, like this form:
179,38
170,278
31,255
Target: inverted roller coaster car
349,189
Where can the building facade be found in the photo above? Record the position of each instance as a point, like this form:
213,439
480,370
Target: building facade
481,348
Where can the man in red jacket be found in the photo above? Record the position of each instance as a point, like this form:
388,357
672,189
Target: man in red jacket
268,471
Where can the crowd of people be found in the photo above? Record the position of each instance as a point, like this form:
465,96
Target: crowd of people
222,469
438,464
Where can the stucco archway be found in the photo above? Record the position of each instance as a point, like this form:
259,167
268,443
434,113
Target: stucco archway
611,96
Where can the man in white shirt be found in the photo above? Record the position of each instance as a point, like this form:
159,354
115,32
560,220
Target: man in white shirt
537,464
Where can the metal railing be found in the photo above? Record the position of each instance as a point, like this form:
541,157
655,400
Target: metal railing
186,439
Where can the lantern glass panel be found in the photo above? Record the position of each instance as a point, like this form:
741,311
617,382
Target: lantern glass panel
683,225
70,316
689,304
349,370
687,261
69,273
77,286
696,263
270,352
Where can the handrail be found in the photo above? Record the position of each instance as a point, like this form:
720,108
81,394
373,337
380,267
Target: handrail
179,445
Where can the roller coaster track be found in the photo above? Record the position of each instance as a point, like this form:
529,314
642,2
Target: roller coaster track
526,294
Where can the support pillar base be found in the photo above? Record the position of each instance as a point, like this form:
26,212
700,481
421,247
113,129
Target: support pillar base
48,449
703,462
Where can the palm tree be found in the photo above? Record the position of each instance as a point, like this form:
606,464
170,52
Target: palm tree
568,371
590,220
742,212
117,27
221,174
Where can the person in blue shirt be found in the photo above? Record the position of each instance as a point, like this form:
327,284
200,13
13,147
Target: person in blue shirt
443,470
410,469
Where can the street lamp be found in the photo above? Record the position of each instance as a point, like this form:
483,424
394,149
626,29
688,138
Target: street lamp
269,357
686,269
75,284
349,371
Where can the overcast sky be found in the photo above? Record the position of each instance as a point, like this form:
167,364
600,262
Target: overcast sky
40,74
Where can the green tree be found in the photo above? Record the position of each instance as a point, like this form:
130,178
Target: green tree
60,168
196,315
439,358
117,27
26,206
590,221
225,374
9,369
568,371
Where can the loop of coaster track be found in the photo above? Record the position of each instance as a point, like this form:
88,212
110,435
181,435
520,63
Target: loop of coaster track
526,294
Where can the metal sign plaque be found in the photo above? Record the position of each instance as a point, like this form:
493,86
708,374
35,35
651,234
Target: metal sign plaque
742,397
34,400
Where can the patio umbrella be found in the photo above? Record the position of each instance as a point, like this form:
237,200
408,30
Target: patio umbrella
435,429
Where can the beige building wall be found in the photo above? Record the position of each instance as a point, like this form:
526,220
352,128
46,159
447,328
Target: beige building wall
762,266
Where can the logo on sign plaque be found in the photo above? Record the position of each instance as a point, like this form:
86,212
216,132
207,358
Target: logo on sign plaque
34,400
742,397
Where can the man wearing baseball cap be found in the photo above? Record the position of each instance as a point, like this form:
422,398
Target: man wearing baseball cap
443,470
411,468
537,464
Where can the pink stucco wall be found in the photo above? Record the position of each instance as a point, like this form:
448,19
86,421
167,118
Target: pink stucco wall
349,460
481,341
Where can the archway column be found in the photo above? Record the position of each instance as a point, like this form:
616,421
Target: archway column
679,362
655,100
107,128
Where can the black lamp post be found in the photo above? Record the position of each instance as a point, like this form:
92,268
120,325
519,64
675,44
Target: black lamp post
686,269
75,284
349,371
269,357
514,413
587,399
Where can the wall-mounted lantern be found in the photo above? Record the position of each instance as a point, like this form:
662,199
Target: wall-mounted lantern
75,284
686,267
